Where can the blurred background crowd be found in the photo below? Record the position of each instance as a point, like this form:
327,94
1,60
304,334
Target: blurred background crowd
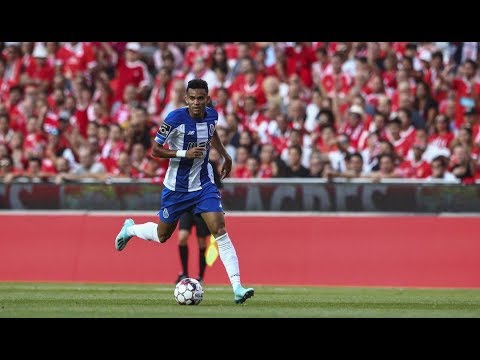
373,110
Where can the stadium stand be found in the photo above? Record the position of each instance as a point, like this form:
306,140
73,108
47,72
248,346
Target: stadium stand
331,110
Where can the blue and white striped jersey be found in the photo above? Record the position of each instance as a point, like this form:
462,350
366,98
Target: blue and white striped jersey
181,132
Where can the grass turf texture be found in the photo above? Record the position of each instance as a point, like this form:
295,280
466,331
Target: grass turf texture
51,300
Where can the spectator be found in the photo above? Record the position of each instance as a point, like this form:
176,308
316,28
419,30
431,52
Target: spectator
312,118
155,170
321,66
417,167
131,70
138,158
76,58
219,59
440,172
246,139
239,169
354,126
319,165
252,119
243,57
338,155
271,89
13,65
160,95
233,126
6,166
123,168
38,71
200,70
442,136
267,167
465,138
401,144
121,112
424,103
177,99
295,138
462,165
224,138
87,169
354,168
115,145
171,48
294,163
140,129
6,132
252,167
327,141
387,169
223,105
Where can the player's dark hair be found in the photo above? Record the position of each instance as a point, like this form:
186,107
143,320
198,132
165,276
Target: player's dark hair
197,84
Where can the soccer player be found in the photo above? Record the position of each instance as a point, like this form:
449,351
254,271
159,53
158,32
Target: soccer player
189,133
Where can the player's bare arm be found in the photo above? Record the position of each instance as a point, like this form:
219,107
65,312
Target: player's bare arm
227,164
161,152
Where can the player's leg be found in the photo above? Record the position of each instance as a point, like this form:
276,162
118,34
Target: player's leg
211,209
150,231
202,234
184,229
147,231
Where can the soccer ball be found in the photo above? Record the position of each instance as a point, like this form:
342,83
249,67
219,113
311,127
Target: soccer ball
188,292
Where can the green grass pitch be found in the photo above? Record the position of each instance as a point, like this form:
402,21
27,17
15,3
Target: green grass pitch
78,300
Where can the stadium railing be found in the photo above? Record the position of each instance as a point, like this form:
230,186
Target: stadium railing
268,195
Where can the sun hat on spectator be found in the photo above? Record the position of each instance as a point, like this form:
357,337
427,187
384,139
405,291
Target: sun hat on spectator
133,46
356,109
39,51
16,43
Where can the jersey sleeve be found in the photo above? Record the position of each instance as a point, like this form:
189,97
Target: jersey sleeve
213,113
166,129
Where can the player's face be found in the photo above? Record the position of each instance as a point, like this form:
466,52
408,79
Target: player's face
196,100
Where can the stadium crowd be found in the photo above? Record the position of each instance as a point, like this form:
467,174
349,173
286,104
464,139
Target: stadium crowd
373,110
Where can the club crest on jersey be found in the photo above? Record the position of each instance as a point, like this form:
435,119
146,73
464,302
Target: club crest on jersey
211,129
165,213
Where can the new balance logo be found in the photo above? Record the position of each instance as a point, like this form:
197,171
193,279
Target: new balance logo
191,132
